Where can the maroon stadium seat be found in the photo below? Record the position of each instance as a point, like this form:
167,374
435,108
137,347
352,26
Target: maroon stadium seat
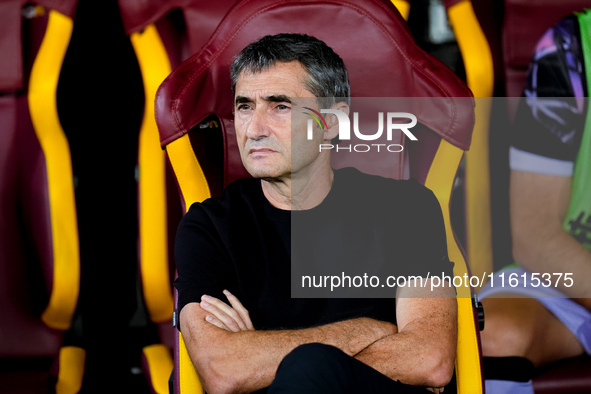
39,250
162,34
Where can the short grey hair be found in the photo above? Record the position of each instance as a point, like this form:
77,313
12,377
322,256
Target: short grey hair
327,75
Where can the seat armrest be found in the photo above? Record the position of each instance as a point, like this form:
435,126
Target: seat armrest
157,366
70,370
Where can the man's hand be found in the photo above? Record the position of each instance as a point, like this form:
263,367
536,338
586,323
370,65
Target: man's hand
232,318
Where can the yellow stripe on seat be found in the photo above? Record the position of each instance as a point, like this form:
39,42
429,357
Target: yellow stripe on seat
44,116
440,180
160,365
189,381
403,7
190,176
478,64
194,188
71,370
153,227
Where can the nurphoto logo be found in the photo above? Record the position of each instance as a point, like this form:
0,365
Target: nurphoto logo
345,129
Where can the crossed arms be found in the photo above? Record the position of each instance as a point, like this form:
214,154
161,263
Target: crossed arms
230,356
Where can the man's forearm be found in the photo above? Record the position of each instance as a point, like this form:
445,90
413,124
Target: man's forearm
402,357
423,352
248,360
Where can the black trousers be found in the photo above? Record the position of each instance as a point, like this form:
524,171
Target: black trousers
318,368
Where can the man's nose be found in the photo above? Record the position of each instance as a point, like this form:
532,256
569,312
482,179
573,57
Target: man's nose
258,127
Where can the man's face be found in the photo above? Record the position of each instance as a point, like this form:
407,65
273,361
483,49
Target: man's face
263,121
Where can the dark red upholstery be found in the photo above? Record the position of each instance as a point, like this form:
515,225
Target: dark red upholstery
450,3
27,346
567,376
11,69
183,34
26,249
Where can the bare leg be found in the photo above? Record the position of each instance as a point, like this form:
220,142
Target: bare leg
524,327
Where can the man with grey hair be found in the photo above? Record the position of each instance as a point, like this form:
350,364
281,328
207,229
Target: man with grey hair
239,246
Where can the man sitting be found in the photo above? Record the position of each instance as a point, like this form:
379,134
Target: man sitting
240,247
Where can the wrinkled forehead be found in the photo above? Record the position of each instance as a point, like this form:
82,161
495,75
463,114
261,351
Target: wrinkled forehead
282,78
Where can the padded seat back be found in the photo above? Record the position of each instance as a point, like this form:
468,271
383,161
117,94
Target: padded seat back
34,239
39,251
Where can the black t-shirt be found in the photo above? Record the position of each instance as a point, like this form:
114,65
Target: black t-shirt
242,243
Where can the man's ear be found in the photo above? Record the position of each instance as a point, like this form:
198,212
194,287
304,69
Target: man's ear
332,121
